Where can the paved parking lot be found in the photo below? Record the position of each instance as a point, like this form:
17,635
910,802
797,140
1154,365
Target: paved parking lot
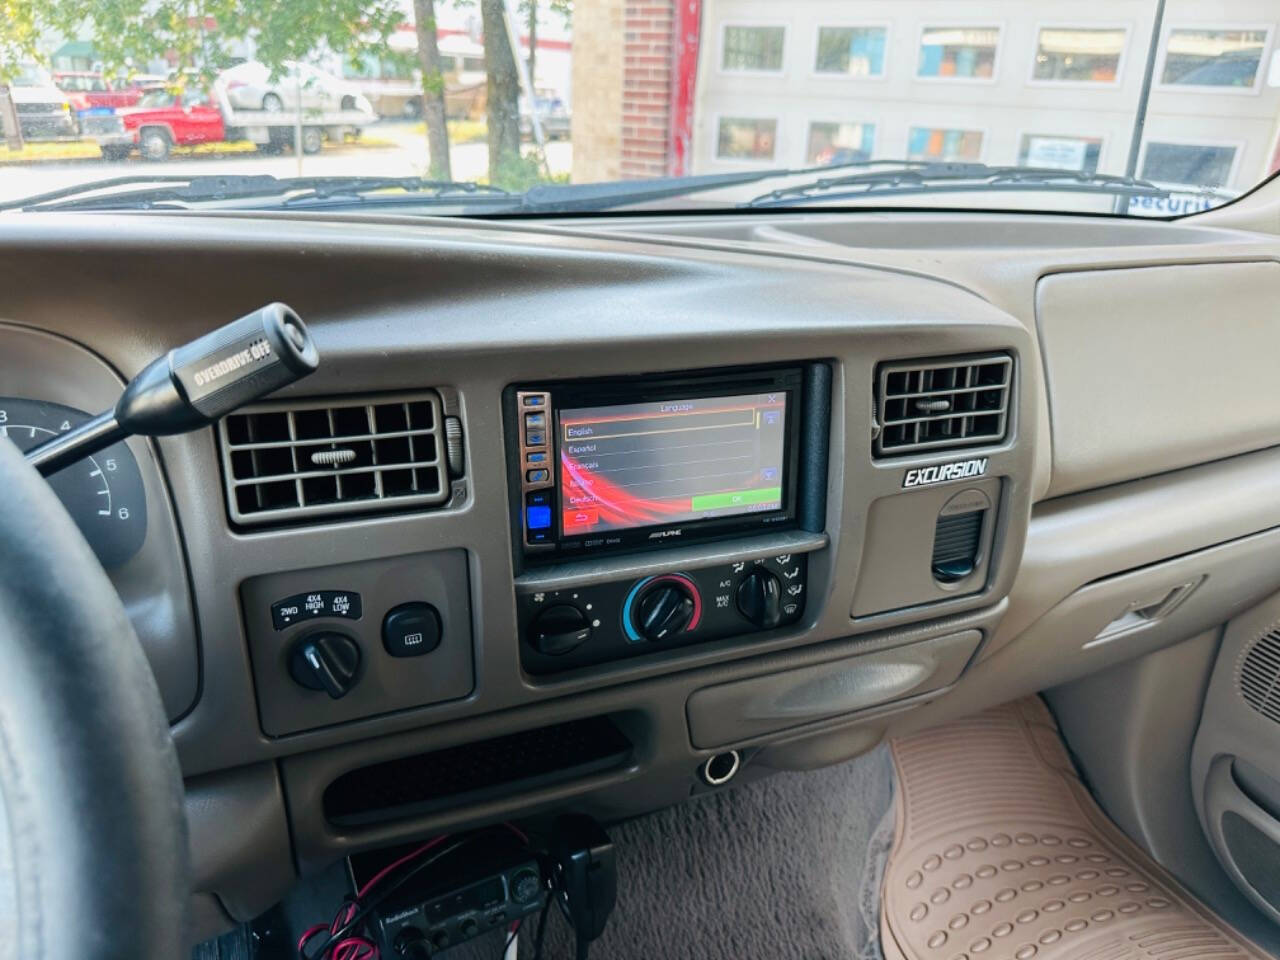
392,150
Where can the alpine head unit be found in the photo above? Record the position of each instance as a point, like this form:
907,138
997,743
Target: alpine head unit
628,463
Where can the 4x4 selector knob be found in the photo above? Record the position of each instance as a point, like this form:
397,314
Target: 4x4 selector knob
327,660
664,609
760,599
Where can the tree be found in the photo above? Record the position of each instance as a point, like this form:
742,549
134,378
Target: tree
530,10
503,94
433,107
19,33
196,34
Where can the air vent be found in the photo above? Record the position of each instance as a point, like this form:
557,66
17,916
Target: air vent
1259,675
287,462
934,404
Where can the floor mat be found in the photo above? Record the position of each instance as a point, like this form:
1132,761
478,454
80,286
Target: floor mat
785,868
1000,852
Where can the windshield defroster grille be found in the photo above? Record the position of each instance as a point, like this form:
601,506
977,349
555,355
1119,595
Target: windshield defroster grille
289,461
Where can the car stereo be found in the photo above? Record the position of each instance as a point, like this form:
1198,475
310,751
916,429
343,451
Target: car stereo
643,461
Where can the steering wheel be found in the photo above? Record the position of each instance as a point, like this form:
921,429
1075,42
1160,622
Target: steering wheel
93,843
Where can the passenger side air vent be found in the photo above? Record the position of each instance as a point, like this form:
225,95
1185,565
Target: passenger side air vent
293,461
934,404
1259,675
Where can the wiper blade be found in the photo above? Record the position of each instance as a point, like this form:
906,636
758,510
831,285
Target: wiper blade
925,177
590,197
161,192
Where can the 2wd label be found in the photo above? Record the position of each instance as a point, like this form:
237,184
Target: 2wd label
961,470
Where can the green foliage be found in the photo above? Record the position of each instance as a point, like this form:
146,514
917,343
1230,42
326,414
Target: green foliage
519,173
19,33
197,34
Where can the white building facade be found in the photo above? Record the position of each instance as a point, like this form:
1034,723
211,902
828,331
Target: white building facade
1033,82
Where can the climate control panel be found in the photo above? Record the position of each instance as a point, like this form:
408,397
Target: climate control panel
598,622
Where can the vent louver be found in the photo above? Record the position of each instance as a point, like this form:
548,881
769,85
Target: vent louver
935,404
1259,675
303,460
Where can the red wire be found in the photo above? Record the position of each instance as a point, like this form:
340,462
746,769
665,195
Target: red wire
360,948
307,934
433,842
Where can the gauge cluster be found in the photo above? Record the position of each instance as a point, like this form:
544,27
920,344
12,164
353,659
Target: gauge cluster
103,493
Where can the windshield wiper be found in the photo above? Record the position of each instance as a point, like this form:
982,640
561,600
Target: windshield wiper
178,192
924,177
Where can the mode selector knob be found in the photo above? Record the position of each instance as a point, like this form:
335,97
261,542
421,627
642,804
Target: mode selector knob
760,599
328,661
664,609
558,629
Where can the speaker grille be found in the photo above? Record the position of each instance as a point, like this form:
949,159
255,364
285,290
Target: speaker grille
1259,675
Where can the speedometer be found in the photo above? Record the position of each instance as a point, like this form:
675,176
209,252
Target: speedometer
103,493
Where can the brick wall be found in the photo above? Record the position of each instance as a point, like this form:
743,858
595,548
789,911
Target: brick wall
646,88
622,78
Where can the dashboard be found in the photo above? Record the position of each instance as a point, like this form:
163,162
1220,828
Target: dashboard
571,509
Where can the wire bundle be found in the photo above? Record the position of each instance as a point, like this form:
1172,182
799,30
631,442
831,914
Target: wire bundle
343,941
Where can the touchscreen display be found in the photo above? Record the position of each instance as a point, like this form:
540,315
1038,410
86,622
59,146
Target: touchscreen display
671,461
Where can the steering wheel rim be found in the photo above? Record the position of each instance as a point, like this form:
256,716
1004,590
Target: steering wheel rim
93,843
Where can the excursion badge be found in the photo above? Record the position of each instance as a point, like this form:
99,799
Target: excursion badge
942,473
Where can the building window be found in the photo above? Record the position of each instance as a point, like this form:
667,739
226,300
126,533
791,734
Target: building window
1195,165
1079,54
1059,153
967,53
839,143
935,143
473,64
757,49
851,51
743,138
1196,57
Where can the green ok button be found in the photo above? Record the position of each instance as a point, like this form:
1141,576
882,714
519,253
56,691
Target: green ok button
736,498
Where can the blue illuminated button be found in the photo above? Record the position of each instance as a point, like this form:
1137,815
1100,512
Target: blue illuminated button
537,518
537,476
537,457
535,438
534,401
535,421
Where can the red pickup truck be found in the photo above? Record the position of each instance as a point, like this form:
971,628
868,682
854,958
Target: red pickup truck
88,90
162,120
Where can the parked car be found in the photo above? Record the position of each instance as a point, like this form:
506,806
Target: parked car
44,112
163,119
552,114
89,89
250,86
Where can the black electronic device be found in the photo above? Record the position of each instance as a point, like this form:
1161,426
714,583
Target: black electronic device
586,876
635,462
494,882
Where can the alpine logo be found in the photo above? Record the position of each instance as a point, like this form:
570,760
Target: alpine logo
961,470
663,534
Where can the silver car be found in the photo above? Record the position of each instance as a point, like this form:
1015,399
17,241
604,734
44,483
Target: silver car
250,86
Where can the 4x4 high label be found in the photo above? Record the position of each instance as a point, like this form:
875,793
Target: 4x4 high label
960,470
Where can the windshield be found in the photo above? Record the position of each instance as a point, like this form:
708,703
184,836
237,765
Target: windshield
1135,107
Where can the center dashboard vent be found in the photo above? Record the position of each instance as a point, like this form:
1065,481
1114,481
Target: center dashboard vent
934,404
302,460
